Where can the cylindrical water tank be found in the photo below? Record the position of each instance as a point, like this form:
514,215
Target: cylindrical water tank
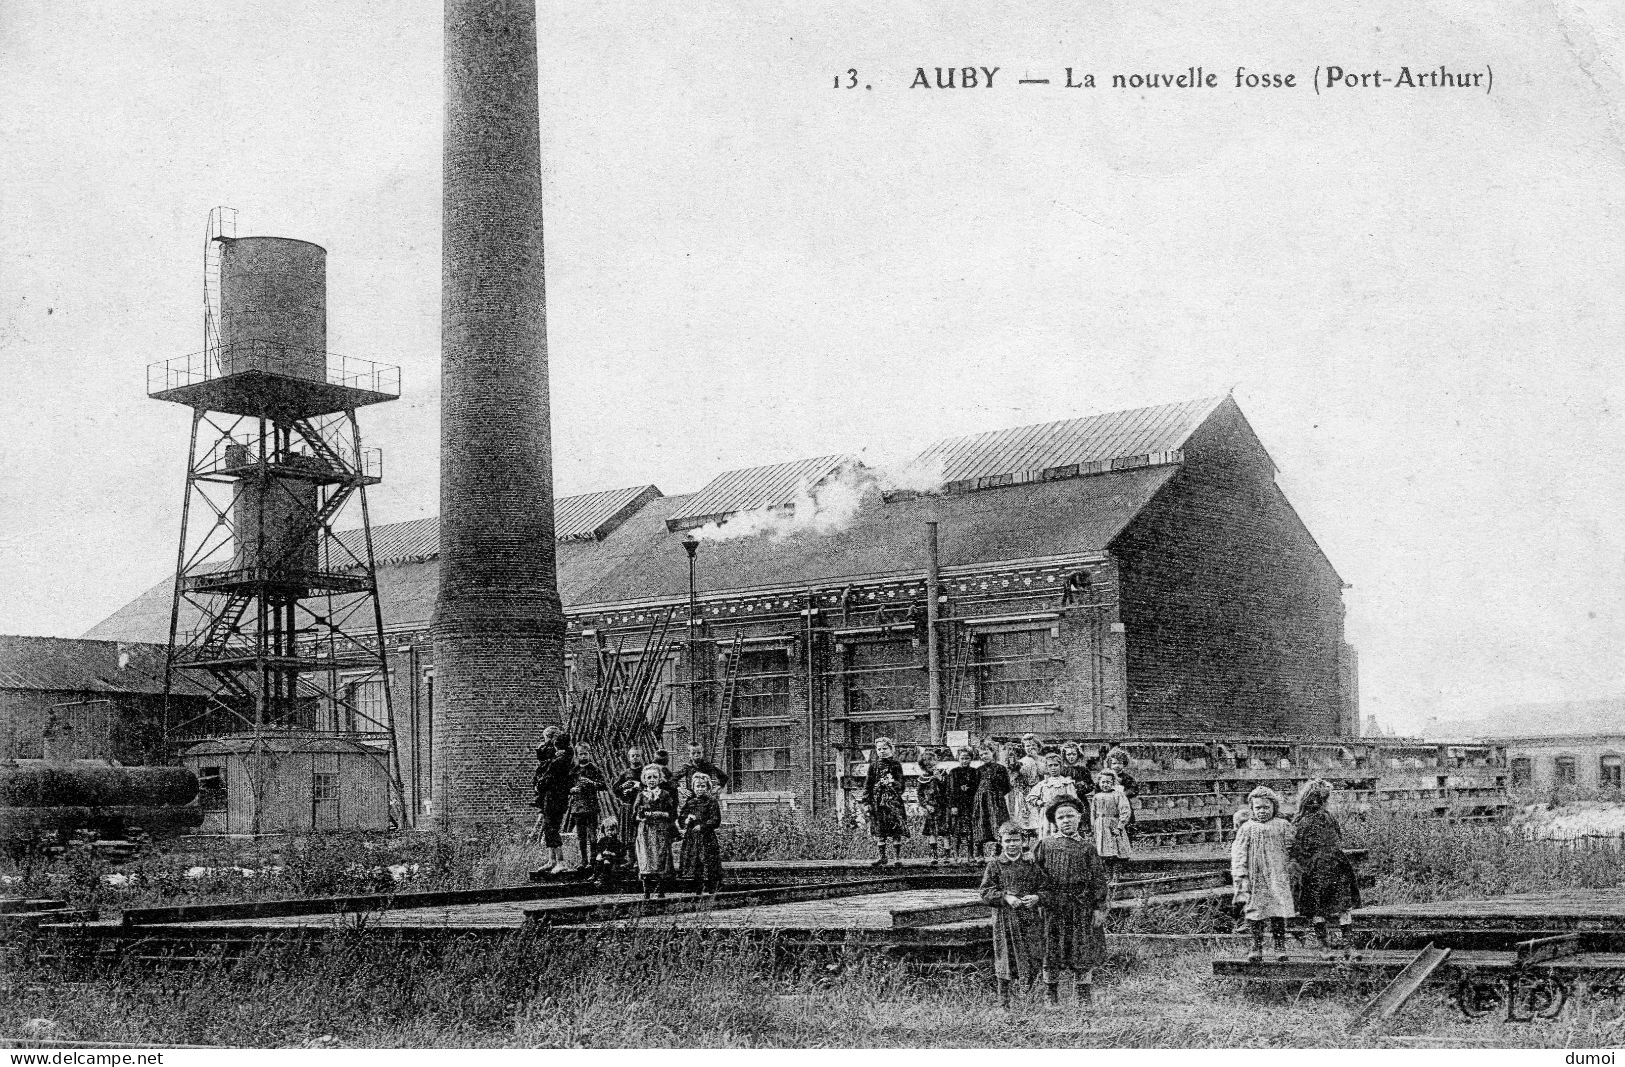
273,307
285,538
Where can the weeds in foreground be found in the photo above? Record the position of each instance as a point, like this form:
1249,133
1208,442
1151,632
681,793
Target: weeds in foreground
697,989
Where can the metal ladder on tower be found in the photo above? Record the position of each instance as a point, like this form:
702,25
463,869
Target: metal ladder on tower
730,693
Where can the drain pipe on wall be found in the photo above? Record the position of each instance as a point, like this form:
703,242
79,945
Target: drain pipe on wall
814,769
933,658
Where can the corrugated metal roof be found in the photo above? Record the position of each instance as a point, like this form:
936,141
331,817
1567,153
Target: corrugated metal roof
399,542
1114,440
68,665
754,489
587,517
591,516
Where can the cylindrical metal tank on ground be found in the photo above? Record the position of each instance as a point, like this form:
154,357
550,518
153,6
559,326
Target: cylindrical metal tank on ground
273,307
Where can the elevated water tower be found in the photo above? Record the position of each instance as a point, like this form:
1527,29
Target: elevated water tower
276,611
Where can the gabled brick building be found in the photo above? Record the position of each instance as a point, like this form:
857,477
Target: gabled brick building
1135,573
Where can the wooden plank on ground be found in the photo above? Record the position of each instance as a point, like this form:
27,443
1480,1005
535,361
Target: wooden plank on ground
1386,1004
968,906
366,902
10,905
745,898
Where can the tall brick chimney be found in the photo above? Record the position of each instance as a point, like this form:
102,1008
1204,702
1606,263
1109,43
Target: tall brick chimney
498,625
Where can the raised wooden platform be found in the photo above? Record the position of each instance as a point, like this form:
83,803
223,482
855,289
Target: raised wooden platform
1525,955
1589,911
910,907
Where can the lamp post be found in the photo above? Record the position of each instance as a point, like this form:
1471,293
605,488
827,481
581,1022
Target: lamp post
691,545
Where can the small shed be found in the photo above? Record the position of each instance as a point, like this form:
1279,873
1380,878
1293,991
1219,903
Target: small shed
290,783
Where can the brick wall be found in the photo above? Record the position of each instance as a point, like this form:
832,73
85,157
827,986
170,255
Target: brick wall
1092,689
498,628
1233,617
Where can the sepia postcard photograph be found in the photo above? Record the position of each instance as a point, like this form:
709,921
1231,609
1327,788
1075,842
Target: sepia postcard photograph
1068,525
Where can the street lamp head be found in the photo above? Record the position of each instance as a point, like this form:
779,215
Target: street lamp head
691,544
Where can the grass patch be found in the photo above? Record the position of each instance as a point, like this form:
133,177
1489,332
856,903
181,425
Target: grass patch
698,989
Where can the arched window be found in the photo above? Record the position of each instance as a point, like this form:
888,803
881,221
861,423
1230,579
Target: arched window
1567,771
1608,773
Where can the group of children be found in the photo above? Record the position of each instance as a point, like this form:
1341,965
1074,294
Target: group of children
1281,868
1049,904
968,800
659,809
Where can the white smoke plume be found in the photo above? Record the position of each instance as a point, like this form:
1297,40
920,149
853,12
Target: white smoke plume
827,507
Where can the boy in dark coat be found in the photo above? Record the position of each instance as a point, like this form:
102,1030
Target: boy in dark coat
544,759
556,781
1011,886
585,807
698,764
625,790
961,803
1326,886
1073,898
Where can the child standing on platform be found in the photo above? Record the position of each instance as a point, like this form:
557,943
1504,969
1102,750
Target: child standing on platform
700,819
1117,762
1072,894
1076,767
883,800
654,811
1260,867
1055,784
1109,815
1327,887
586,807
931,794
990,811
962,804
609,855
1010,886
1021,780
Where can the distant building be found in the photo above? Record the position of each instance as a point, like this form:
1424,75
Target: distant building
1135,573
1584,762
83,699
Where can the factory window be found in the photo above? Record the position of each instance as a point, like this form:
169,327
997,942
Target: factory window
1608,773
882,676
763,688
1523,772
364,707
1566,771
211,788
759,759
907,733
1015,667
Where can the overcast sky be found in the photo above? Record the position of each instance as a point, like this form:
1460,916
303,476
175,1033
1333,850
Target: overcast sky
1416,293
